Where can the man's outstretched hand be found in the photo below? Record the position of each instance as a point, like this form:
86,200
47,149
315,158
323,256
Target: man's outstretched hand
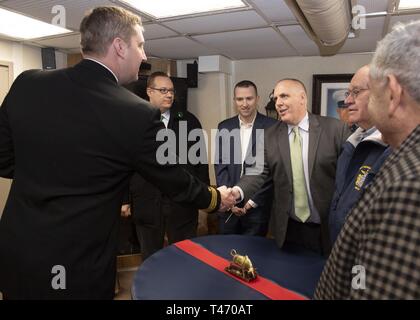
125,210
228,199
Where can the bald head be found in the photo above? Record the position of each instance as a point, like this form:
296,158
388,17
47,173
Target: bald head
295,83
363,74
291,100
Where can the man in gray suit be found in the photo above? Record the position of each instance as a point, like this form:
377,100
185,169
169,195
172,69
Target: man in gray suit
301,154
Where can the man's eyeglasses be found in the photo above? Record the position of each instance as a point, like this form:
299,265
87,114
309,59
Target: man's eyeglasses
354,93
164,90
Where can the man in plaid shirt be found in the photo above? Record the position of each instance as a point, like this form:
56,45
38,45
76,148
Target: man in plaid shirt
377,254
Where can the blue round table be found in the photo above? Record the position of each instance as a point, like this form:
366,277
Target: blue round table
172,274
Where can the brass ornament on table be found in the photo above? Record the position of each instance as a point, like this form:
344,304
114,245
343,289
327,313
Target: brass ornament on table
241,266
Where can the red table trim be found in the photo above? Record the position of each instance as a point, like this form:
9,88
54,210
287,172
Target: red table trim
265,286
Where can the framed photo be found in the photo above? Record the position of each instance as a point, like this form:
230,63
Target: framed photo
328,94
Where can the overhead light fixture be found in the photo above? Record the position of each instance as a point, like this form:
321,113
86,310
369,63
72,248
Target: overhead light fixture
18,26
374,14
409,4
166,9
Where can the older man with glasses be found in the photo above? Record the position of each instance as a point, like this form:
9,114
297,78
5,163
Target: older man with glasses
376,255
362,156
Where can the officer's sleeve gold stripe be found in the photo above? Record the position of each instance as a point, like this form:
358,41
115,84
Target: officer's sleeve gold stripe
213,201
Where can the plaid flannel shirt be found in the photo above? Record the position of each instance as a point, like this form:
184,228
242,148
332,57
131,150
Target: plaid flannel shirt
381,234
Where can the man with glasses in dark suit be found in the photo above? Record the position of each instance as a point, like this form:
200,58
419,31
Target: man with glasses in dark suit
153,212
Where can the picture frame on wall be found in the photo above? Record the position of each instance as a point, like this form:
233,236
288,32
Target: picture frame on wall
328,94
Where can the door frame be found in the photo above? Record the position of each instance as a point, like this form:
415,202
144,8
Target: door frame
9,66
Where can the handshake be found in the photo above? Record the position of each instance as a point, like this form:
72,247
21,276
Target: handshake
229,197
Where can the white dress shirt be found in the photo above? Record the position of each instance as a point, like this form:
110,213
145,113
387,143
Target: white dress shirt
165,117
246,132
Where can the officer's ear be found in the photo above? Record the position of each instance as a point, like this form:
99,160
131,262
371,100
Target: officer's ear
119,46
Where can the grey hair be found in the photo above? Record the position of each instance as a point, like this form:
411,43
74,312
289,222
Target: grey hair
399,54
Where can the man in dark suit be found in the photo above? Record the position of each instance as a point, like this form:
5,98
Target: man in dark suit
153,212
71,139
237,136
300,157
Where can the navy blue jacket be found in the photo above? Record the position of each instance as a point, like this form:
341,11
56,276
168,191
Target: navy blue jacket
229,173
356,167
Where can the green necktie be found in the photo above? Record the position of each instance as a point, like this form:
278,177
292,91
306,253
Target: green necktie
161,117
299,188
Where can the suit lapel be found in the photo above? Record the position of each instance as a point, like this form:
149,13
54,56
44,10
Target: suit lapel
171,123
236,125
257,125
314,134
283,142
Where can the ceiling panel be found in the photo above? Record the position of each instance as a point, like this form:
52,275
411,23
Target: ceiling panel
63,42
374,5
218,22
248,44
154,31
177,48
276,10
367,39
41,9
404,19
299,40
238,35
